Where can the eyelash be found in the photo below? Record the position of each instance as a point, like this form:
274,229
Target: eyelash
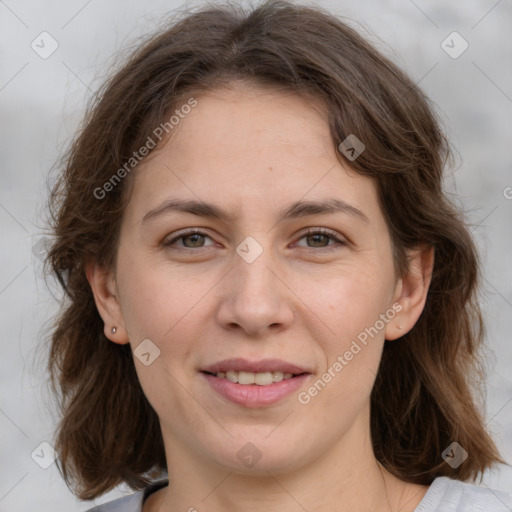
311,231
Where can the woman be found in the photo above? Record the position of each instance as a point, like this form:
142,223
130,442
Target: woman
271,299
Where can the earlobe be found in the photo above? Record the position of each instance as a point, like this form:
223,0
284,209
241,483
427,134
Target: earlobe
116,333
104,290
411,291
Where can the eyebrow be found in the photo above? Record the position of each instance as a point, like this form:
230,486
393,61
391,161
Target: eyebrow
295,210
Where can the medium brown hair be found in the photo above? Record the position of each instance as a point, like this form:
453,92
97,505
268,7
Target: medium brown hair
424,395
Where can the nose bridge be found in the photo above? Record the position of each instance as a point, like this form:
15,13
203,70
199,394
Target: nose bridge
253,298
252,273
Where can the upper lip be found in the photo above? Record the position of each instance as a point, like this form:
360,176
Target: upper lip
261,366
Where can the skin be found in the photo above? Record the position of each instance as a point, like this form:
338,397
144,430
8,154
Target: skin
254,151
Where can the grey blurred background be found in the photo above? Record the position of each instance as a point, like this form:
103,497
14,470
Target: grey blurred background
42,100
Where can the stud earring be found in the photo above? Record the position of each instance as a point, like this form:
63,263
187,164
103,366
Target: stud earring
114,329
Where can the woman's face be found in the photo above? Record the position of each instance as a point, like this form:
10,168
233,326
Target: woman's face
259,290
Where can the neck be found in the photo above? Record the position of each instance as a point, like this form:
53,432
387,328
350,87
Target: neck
346,477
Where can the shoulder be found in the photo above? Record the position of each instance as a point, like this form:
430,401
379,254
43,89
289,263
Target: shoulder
130,503
447,495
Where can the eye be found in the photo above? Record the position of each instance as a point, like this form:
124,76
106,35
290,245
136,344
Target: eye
190,239
320,238
195,239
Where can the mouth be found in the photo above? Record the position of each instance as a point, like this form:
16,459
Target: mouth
258,379
255,384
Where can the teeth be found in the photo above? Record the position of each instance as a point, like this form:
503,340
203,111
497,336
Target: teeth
246,378
232,376
261,379
277,376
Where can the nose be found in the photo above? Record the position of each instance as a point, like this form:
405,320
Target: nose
255,297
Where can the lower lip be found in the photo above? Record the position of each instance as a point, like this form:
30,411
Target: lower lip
253,395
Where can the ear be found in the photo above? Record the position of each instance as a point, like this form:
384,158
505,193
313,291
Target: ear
103,287
411,291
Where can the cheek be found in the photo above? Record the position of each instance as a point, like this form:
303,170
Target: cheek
348,299
154,299
351,355
159,306
351,303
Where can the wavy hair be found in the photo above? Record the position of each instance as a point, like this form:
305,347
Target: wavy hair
426,392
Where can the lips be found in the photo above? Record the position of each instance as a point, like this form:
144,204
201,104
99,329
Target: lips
262,366
255,383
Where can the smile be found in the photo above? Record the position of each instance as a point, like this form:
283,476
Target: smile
254,395
248,378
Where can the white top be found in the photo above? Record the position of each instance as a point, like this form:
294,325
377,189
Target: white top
443,495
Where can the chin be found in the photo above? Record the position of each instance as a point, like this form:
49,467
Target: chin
259,455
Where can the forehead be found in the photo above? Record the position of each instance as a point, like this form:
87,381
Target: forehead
246,148
247,121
